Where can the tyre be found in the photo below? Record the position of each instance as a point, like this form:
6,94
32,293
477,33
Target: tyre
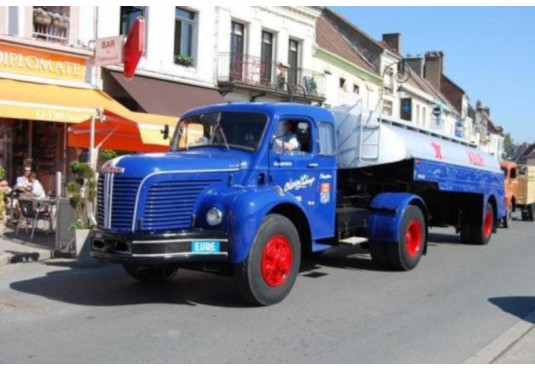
407,253
508,217
268,273
530,212
378,252
152,274
481,234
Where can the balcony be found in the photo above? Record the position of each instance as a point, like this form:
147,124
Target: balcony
268,77
50,26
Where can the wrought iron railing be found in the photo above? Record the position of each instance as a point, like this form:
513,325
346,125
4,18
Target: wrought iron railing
270,75
51,29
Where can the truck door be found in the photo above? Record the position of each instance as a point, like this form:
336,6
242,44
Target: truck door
297,168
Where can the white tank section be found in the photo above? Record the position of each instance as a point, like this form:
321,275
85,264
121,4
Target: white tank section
368,139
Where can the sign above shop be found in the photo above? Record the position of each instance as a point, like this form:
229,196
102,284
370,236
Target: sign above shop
109,50
19,59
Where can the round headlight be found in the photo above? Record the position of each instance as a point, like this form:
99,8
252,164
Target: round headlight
214,217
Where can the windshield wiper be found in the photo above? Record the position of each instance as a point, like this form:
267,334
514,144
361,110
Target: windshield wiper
218,126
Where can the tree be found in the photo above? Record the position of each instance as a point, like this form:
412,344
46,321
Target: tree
508,145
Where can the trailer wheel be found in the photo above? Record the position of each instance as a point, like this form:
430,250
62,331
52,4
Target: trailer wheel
481,234
152,274
406,255
268,273
508,217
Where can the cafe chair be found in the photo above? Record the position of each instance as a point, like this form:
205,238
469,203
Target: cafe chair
31,212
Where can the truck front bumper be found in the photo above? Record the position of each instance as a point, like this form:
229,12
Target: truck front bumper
191,246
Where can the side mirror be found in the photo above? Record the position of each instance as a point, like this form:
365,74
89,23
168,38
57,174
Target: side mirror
165,131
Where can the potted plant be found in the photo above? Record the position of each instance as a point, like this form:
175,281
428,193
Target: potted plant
82,193
56,19
41,16
184,60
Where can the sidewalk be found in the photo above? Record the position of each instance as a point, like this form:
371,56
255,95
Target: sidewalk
20,248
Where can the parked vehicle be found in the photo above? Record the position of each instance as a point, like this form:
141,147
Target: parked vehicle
525,199
237,190
510,173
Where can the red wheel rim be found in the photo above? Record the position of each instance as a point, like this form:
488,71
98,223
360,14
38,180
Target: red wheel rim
276,261
413,238
487,225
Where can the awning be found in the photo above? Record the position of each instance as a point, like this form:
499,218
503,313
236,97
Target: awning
41,102
130,132
122,129
166,97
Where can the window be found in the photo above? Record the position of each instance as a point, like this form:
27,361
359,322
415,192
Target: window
356,89
184,27
266,56
237,36
128,15
387,107
326,139
293,61
293,137
342,84
51,23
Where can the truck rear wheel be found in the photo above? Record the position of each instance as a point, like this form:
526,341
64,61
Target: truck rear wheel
406,254
268,273
479,234
153,274
508,217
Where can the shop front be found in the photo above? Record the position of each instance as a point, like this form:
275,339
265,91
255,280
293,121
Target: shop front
46,98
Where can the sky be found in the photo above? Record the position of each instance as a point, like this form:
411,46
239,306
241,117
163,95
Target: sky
489,52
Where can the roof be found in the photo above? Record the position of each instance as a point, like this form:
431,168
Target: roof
331,40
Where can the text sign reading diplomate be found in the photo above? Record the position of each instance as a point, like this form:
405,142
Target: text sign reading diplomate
109,50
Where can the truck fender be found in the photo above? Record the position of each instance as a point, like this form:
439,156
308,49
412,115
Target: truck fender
246,214
386,213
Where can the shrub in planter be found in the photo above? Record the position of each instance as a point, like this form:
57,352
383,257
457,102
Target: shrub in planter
184,60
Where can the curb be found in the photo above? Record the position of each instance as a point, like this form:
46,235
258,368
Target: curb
498,347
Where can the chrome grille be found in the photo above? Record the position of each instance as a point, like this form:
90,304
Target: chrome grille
116,201
169,204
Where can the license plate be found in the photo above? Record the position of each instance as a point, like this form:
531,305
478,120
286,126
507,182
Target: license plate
205,246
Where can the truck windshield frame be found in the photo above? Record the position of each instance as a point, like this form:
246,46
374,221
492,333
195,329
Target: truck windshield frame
221,129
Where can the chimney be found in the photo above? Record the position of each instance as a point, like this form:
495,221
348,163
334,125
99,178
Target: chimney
416,63
393,40
433,68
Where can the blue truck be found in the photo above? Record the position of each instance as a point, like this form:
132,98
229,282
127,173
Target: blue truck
250,187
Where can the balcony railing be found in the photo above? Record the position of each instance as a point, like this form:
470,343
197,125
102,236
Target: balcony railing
269,75
50,28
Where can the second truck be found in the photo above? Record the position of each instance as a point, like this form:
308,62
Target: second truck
230,193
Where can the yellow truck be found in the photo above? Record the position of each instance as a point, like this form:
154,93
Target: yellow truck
525,197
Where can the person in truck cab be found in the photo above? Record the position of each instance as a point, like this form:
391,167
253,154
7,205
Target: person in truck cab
288,141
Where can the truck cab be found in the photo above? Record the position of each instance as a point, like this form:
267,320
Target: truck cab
229,190
510,173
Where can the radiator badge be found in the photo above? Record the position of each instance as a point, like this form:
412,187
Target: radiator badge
112,169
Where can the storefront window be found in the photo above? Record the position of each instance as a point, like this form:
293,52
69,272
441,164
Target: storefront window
51,23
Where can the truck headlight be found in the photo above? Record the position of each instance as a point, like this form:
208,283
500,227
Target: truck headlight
214,217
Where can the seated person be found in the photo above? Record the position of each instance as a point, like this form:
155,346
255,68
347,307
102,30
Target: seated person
23,184
251,140
37,190
288,141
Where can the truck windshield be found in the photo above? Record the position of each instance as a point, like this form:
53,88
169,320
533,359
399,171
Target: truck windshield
240,130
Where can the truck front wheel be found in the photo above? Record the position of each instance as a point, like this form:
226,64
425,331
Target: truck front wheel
268,273
153,274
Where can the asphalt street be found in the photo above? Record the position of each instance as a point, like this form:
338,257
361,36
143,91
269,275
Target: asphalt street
341,310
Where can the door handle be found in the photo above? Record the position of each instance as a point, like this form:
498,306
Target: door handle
312,165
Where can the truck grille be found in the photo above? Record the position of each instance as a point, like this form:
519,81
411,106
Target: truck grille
119,196
169,204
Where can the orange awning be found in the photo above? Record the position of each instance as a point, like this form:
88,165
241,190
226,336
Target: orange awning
122,130
132,132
